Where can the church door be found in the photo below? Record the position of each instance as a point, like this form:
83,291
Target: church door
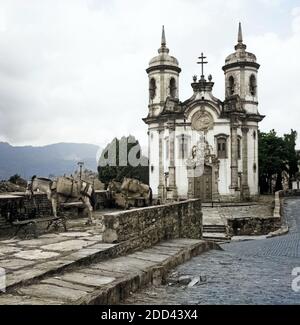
203,185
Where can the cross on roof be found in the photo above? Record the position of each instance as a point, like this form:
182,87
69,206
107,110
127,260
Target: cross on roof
202,62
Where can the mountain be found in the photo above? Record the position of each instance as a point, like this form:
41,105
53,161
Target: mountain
54,159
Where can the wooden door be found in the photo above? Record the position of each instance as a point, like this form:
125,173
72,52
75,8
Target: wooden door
203,185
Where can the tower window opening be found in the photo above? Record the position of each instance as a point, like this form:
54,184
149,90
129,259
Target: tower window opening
252,85
173,88
239,148
231,86
152,88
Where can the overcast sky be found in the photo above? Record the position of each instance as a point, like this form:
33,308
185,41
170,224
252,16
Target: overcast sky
74,70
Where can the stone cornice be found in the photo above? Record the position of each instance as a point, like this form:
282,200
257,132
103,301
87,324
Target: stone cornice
255,117
249,102
163,67
241,64
163,118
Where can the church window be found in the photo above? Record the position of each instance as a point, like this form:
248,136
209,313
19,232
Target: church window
254,167
152,88
252,85
231,86
183,146
173,88
239,148
167,148
222,148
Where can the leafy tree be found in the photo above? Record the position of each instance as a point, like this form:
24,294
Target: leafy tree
115,160
18,180
292,156
276,155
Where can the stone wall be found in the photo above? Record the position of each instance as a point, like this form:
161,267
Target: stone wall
253,226
289,193
17,205
147,226
261,219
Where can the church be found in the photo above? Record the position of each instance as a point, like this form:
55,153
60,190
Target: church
204,147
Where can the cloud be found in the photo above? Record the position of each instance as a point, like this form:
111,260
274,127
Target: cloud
74,70
279,77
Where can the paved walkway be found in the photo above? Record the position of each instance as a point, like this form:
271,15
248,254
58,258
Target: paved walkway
108,281
251,272
23,260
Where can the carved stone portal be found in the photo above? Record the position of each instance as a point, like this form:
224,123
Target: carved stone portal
203,172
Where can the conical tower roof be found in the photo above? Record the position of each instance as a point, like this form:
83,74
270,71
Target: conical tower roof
163,58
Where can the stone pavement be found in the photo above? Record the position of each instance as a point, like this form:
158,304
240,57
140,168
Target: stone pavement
250,272
24,260
109,281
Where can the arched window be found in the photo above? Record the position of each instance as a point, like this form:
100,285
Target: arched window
222,146
239,148
254,135
231,86
252,85
183,146
167,148
152,88
173,88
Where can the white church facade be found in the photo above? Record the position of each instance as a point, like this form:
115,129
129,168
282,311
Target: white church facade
204,147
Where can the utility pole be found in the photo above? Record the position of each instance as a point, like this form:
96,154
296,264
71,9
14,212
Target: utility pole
80,164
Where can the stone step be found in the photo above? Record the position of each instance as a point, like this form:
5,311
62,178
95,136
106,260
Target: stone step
214,229
217,236
214,226
110,281
99,251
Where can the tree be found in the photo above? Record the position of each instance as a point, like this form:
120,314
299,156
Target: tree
292,156
276,155
18,180
123,158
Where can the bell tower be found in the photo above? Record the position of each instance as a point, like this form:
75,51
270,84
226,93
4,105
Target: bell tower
241,71
163,74
241,104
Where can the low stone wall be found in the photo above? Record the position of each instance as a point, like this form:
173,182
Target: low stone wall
264,225
289,193
257,225
19,205
147,226
253,226
280,196
278,205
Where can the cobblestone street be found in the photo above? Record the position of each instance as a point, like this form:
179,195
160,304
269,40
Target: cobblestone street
249,272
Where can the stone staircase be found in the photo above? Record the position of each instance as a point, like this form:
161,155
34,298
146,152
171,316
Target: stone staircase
102,281
215,233
3,223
